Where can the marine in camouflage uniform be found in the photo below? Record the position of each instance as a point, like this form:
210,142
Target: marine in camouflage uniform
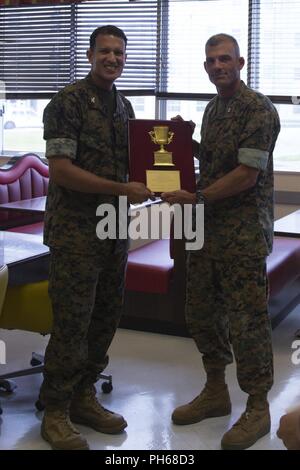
85,123
227,291
86,274
227,285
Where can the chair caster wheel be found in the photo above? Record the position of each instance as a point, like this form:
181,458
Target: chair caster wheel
106,387
39,405
8,385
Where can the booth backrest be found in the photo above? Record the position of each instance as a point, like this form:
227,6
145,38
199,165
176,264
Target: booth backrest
26,179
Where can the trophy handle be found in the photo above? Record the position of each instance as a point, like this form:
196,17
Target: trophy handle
170,138
152,135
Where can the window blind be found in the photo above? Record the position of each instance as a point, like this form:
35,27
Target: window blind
43,48
139,22
191,23
274,59
35,48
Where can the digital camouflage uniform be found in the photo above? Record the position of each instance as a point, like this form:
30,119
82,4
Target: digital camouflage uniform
227,285
86,279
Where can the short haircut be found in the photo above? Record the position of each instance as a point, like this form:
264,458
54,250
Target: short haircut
222,37
107,30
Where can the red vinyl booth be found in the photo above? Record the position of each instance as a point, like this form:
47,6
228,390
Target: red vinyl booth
27,178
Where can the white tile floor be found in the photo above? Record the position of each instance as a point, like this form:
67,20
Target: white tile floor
151,375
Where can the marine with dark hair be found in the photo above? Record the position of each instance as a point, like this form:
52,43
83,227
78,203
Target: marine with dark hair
108,30
85,128
227,288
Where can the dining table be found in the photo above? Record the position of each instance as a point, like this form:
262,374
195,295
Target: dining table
26,257
289,225
35,205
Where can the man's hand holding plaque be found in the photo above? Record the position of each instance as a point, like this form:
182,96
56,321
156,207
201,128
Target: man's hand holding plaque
137,193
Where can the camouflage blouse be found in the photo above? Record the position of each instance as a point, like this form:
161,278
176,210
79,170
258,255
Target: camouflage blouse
78,125
239,130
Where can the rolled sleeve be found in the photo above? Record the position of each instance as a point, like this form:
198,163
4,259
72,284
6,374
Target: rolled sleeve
257,137
61,147
62,123
254,158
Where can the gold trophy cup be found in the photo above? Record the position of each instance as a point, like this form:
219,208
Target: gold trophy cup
162,136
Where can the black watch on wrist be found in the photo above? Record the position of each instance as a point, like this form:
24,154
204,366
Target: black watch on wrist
200,198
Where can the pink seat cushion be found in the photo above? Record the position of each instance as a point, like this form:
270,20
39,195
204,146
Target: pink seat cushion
150,268
283,264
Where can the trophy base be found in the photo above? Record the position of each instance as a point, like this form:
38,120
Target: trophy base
163,159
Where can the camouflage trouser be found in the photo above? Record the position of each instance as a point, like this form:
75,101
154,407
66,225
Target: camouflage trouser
227,303
87,299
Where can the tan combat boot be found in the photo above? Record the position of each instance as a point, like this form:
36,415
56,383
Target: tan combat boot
210,403
58,430
253,424
85,409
